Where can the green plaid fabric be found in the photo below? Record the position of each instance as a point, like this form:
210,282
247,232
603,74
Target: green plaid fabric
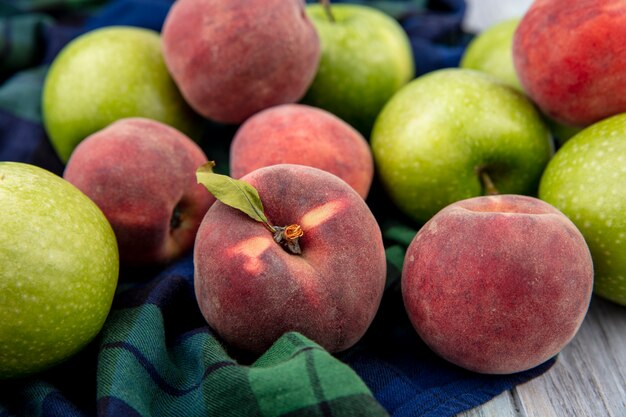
193,374
18,41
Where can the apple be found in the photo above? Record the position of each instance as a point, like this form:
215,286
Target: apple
233,58
366,58
141,173
457,133
571,60
105,75
497,284
323,275
301,134
586,180
491,52
58,269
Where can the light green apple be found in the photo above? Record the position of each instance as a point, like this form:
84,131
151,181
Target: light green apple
586,180
105,75
456,133
366,57
58,269
491,52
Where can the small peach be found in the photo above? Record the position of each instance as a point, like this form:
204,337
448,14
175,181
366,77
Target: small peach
231,59
300,134
141,173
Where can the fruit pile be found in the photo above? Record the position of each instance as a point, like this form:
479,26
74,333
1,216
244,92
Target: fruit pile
518,221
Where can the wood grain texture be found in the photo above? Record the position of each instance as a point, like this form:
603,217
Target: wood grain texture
588,379
504,405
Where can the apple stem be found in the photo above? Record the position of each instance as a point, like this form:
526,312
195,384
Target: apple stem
488,185
327,9
289,237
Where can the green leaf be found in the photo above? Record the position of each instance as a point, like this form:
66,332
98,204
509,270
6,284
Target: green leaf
234,193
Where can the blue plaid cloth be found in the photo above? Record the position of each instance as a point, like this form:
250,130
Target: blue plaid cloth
156,355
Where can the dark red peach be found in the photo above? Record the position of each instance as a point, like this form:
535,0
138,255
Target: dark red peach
251,290
497,284
142,175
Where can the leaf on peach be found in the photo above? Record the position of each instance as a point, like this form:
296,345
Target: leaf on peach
234,193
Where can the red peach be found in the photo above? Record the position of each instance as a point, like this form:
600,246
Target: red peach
497,284
300,134
142,175
231,59
251,290
571,58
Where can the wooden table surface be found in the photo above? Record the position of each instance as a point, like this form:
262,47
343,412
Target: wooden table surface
588,379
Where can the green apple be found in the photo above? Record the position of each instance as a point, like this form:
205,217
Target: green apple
58,269
456,133
491,52
586,180
366,57
105,75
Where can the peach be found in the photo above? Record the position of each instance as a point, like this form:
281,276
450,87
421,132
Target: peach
231,59
300,134
141,173
251,290
497,284
572,60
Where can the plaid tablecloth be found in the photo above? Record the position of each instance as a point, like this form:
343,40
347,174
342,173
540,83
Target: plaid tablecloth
156,356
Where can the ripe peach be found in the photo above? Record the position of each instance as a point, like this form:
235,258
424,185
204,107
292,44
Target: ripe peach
300,134
251,290
233,58
497,284
572,60
141,173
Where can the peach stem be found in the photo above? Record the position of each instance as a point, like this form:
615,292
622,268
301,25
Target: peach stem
293,231
289,237
176,218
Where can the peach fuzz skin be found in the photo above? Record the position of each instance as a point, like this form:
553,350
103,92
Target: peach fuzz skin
251,290
572,60
138,171
300,134
497,284
231,59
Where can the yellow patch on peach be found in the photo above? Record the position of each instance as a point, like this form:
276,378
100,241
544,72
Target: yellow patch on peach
251,249
320,214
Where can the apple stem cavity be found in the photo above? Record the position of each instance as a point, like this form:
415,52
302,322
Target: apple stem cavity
489,188
327,10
